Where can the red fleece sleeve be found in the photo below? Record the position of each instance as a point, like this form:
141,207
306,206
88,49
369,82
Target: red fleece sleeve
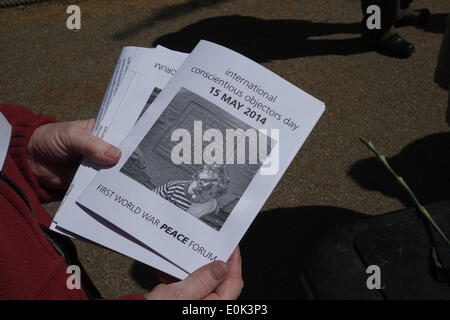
23,123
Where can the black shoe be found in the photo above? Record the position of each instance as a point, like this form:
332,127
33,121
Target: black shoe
416,17
395,46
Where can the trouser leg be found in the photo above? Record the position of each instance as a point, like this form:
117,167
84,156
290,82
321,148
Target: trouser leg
389,10
404,4
405,8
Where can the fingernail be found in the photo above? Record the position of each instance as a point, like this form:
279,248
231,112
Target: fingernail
218,270
112,152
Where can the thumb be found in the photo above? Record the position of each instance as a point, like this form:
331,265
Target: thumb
92,148
198,285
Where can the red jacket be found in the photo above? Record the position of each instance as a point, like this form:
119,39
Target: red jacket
30,267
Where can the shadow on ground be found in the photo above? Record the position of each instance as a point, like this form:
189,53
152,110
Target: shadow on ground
424,164
436,23
166,13
273,250
263,40
447,114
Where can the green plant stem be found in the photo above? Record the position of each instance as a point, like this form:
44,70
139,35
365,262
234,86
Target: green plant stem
411,194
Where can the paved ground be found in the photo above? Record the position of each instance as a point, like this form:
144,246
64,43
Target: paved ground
395,103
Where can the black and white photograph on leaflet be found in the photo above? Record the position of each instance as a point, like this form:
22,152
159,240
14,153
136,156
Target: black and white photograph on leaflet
207,191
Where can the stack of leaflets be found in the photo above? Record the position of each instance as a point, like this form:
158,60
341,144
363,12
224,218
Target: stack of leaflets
205,138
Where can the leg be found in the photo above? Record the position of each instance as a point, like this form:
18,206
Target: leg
405,7
404,4
410,17
389,13
385,40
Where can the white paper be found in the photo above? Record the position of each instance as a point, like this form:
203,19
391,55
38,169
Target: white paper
126,59
125,198
123,79
130,98
105,115
108,110
5,137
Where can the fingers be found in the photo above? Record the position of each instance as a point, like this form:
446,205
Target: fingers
209,282
205,280
89,124
231,288
198,285
93,148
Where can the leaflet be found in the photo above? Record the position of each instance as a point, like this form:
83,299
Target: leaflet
199,165
134,95
126,58
107,112
5,137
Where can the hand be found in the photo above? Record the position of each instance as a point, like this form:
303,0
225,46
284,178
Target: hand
215,281
55,149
